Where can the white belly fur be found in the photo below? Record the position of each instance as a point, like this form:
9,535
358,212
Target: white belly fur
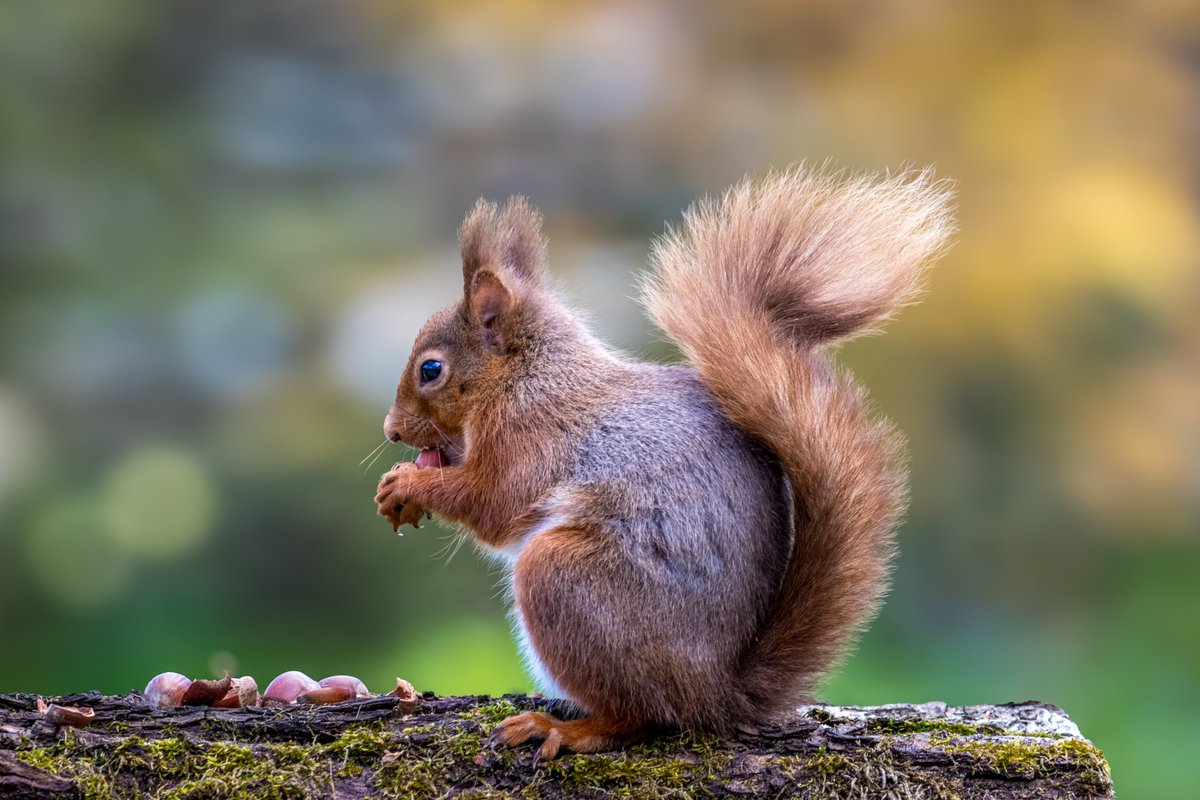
542,679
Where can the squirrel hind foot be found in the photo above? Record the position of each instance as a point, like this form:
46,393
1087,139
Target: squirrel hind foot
593,734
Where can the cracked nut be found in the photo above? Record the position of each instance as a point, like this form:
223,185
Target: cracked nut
75,716
243,693
205,692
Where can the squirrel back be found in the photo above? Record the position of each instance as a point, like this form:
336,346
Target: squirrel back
753,288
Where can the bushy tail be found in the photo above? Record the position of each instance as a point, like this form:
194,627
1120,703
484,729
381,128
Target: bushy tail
751,287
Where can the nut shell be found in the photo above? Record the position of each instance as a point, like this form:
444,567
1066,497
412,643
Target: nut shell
75,716
357,687
287,687
206,693
326,694
243,693
166,689
406,695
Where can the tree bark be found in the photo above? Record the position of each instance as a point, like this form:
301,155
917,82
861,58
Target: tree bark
372,748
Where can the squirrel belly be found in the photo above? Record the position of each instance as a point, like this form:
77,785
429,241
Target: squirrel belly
690,546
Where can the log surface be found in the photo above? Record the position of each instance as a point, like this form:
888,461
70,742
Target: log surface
371,748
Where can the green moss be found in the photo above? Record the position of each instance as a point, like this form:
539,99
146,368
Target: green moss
362,743
807,771
1023,758
821,715
826,763
411,774
876,770
916,725
39,758
867,772
900,727
1094,772
487,794
237,772
676,766
435,760
288,754
430,760
449,758
175,768
489,715
93,784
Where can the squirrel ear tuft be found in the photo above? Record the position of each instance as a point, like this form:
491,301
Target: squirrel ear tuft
489,304
504,238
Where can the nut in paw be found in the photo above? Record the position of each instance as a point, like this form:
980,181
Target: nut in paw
393,499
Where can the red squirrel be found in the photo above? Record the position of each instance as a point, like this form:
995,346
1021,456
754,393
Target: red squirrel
690,546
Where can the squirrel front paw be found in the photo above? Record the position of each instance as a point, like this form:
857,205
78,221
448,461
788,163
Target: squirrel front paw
393,498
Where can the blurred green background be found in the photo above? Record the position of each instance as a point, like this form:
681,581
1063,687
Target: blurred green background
221,224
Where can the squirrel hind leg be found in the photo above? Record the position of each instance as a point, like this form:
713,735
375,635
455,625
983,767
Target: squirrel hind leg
593,734
620,644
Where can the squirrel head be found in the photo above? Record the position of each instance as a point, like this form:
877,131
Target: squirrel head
469,351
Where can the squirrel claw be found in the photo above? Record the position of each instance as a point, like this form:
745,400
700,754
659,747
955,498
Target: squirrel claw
530,726
534,726
403,514
587,735
393,501
550,747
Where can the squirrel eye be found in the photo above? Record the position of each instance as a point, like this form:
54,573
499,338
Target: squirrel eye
430,370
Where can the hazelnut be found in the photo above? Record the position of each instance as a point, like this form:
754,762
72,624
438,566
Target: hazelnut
287,687
166,689
358,688
326,695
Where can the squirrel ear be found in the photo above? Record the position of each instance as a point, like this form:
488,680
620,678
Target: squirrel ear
489,304
506,238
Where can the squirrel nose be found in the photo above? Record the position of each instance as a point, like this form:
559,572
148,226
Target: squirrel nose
394,436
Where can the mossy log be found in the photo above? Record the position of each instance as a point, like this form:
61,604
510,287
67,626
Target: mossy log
371,748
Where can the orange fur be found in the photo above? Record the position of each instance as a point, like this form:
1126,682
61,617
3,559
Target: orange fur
688,547
796,262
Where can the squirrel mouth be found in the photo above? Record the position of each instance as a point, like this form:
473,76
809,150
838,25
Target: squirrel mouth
432,458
